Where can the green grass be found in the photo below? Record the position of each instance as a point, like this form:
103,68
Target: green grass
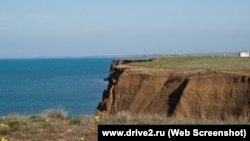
197,62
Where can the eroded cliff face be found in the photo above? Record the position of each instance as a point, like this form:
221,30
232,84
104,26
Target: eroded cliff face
212,95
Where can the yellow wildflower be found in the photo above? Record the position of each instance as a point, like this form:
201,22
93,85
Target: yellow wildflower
97,118
41,130
4,139
69,131
4,125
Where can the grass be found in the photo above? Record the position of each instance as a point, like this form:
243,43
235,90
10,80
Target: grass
55,125
200,62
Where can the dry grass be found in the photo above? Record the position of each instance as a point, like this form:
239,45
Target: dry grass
55,125
198,62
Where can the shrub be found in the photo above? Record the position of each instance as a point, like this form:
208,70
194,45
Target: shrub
75,121
14,125
56,113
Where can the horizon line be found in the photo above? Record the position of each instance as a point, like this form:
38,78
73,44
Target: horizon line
131,55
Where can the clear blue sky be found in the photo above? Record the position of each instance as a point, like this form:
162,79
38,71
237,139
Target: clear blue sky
77,28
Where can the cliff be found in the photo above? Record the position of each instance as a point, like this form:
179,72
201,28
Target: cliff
207,94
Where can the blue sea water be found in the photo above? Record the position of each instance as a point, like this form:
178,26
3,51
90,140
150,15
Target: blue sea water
31,86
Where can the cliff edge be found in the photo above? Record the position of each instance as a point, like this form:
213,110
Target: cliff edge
207,94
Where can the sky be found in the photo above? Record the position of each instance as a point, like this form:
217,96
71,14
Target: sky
79,28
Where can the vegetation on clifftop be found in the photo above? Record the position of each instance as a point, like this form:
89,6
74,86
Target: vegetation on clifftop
198,62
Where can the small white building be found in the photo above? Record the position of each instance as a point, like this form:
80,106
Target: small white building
244,54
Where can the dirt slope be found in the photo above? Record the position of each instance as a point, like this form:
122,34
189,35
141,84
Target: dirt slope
212,95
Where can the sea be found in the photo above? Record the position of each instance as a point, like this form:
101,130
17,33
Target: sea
33,86
75,85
